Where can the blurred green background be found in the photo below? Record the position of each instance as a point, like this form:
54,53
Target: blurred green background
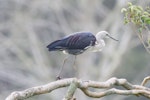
28,26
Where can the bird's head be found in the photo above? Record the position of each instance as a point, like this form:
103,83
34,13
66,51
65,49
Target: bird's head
103,34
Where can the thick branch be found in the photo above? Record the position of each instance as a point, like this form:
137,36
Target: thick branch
74,83
72,88
20,95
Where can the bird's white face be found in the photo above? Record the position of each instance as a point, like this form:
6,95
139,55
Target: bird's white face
100,43
101,35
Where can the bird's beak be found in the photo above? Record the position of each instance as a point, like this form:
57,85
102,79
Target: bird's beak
112,37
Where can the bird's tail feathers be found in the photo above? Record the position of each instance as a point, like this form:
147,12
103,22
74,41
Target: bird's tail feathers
54,46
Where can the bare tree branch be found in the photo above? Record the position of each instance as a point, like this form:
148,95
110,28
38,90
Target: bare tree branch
146,79
72,88
74,83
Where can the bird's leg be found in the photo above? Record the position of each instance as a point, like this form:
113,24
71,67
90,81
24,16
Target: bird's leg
75,66
58,75
74,63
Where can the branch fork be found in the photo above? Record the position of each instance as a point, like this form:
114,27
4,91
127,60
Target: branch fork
74,83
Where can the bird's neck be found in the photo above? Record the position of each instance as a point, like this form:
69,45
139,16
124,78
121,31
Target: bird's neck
98,46
103,43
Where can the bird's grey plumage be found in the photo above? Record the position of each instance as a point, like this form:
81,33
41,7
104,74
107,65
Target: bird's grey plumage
74,44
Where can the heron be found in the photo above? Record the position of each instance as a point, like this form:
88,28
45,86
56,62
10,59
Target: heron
79,42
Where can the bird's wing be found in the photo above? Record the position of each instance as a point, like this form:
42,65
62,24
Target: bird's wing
56,45
79,41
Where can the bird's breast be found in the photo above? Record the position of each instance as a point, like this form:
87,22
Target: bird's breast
99,45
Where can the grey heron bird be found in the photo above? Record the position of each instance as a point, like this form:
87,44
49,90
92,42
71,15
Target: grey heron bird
79,42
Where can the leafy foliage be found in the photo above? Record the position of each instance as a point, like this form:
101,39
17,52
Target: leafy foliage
139,17
136,14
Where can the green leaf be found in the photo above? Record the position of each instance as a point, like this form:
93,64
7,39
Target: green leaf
148,22
140,30
123,10
144,18
146,13
129,4
139,8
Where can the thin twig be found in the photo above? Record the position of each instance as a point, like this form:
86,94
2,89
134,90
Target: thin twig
146,79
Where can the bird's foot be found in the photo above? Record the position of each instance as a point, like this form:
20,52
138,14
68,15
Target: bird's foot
74,98
58,78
